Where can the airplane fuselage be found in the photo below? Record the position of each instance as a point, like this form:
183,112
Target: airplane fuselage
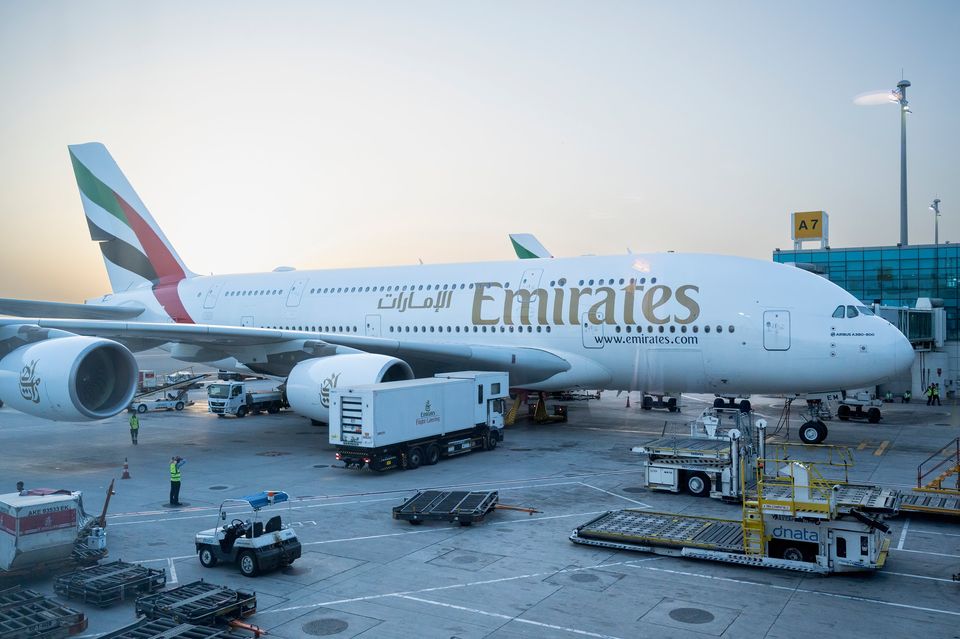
694,323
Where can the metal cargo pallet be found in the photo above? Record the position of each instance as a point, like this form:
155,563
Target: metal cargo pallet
445,505
934,503
863,497
199,603
639,528
108,583
27,614
165,629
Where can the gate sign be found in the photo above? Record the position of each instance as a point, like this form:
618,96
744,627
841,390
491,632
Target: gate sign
809,225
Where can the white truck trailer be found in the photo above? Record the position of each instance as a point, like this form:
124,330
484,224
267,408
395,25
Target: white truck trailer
418,421
240,399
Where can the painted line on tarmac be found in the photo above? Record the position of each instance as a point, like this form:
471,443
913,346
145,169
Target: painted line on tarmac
246,512
862,445
921,531
793,589
172,571
927,552
906,574
539,624
310,498
903,533
882,449
483,582
632,501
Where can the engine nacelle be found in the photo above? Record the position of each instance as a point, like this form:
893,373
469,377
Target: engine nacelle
310,381
69,378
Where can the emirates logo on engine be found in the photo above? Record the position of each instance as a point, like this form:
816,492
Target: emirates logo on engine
30,383
328,385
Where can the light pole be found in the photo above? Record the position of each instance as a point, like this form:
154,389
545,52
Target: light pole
935,207
900,93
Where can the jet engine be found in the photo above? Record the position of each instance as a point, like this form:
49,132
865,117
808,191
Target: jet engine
69,378
310,381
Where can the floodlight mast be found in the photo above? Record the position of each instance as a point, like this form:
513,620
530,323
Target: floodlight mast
935,207
901,94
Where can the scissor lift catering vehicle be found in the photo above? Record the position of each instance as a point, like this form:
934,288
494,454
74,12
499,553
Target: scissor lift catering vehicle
794,523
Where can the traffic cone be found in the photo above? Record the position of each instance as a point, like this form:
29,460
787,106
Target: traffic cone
126,470
628,400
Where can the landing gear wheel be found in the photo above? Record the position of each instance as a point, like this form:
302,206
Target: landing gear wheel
242,412
873,415
813,432
248,564
745,406
414,458
142,408
719,403
646,403
843,412
207,558
792,554
178,406
432,455
698,484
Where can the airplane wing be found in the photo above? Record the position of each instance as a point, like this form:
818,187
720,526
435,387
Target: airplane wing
275,352
36,308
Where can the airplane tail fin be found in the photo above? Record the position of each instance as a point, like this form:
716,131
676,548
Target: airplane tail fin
528,247
135,250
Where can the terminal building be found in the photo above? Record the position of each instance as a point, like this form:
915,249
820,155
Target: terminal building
915,287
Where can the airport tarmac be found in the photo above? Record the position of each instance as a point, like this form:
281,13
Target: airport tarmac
364,574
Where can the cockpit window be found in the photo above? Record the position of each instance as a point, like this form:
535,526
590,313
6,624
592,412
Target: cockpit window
865,310
852,311
839,311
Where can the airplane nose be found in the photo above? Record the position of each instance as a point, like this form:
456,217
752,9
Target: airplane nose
903,352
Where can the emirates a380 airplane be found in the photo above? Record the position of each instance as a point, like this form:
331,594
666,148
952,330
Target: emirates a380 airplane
691,323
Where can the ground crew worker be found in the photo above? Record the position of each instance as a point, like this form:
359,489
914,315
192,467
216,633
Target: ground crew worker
929,394
175,464
19,486
134,427
907,395
936,394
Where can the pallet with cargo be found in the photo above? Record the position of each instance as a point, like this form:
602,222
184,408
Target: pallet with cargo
166,629
107,584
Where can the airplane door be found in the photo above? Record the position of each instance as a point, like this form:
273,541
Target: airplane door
529,281
212,293
373,325
776,330
296,292
592,333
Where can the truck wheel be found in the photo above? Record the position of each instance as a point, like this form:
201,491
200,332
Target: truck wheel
745,406
719,403
207,558
646,403
433,455
843,412
142,408
494,439
791,553
414,458
273,410
248,564
242,412
178,406
813,432
873,415
672,405
698,484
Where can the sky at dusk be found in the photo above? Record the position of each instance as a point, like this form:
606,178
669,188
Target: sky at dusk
339,134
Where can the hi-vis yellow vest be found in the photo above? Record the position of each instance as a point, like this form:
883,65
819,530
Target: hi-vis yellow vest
174,472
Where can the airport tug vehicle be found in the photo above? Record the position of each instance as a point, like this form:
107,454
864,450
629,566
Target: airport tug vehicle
792,521
253,546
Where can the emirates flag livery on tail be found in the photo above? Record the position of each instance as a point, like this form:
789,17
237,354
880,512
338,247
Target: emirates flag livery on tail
656,322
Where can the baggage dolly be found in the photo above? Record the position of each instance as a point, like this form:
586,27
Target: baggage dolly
27,614
199,603
446,505
107,584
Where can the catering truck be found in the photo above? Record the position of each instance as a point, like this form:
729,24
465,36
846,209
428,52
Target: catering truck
409,423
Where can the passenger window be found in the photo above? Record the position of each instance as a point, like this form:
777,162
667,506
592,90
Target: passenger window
841,547
838,313
852,311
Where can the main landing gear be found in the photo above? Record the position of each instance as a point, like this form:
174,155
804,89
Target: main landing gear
731,402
